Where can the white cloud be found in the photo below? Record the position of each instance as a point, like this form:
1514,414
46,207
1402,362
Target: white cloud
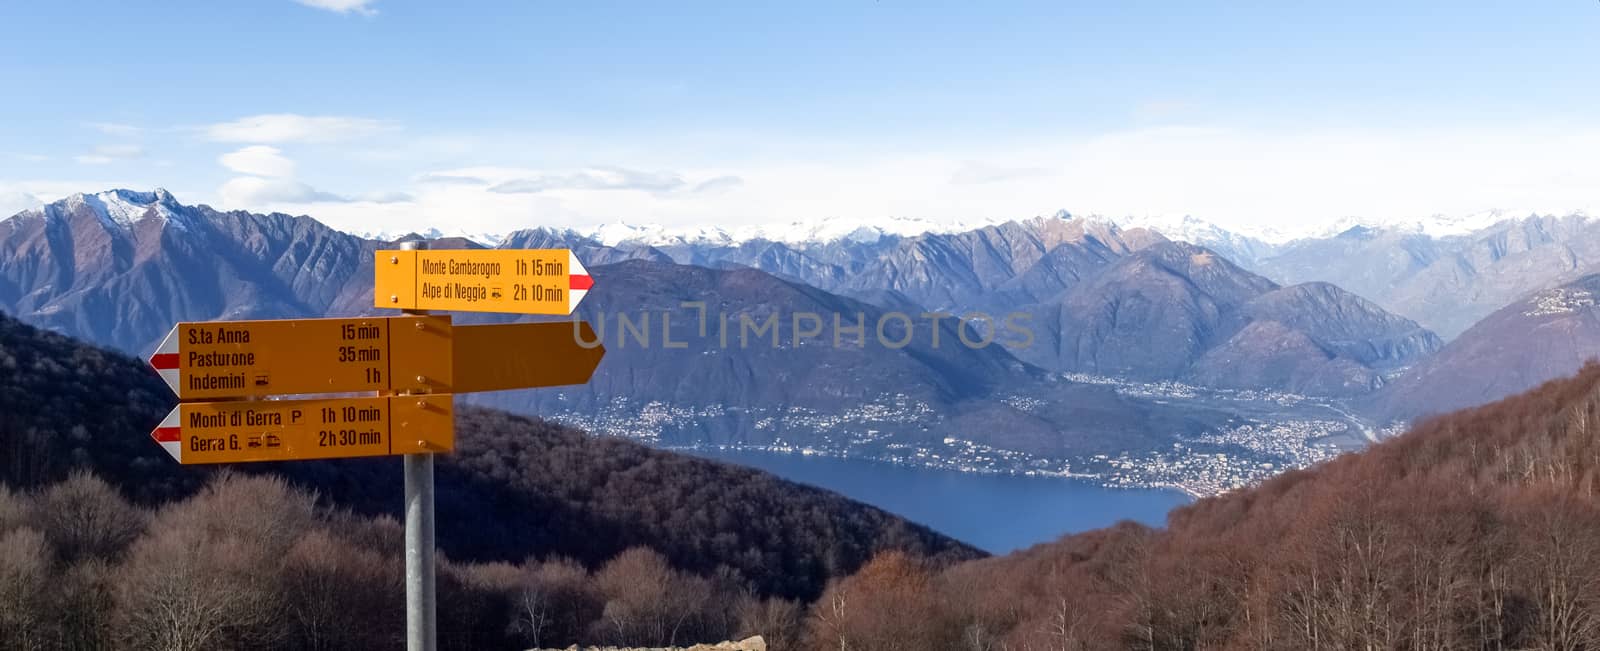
257,193
718,184
449,179
270,181
1246,179
106,154
385,197
361,7
15,201
1296,181
468,207
259,160
594,178
265,194
289,127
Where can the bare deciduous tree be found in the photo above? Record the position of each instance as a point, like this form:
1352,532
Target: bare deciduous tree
648,602
556,602
890,605
1560,556
84,517
778,621
211,571
25,615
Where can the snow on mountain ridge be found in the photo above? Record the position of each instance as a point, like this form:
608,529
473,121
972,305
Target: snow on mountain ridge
118,209
1183,227
1436,226
821,231
122,208
487,239
1199,231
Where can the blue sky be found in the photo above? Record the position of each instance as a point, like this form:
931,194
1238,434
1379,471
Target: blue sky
390,115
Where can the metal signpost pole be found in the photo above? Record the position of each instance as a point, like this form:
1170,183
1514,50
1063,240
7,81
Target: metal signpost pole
421,606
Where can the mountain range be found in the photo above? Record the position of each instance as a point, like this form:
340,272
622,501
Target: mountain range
1449,282
1103,303
1443,272
1500,498
1547,334
703,375
1220,325
119,267
1084,283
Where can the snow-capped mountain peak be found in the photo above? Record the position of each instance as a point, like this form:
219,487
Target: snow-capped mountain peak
616,233
819,231
486,239
1187,228
118,209
1437,225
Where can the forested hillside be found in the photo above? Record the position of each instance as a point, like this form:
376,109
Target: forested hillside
1476,530
514,487
250,562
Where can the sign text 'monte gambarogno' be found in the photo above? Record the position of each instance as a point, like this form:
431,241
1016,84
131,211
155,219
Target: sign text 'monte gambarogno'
529,281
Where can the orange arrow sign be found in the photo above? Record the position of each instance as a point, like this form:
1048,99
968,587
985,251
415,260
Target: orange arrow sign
238,359
415,354
516,281
285,430
425,354
523,355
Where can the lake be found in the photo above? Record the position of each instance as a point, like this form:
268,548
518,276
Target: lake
996,513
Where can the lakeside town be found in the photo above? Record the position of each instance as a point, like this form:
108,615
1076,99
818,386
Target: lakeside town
1274,432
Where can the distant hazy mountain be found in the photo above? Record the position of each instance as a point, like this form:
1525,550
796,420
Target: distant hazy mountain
1444,281
1445,272
479,239
1239,247
992,268
996,268
730,381
798,233
589,250
811,234
1178,311
1546,335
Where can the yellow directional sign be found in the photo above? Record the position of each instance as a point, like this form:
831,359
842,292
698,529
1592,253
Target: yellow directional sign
285,430
420,361
235,359
527,281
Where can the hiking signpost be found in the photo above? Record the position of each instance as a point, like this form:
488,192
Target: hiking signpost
238,380
545,281
282,430
235,359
